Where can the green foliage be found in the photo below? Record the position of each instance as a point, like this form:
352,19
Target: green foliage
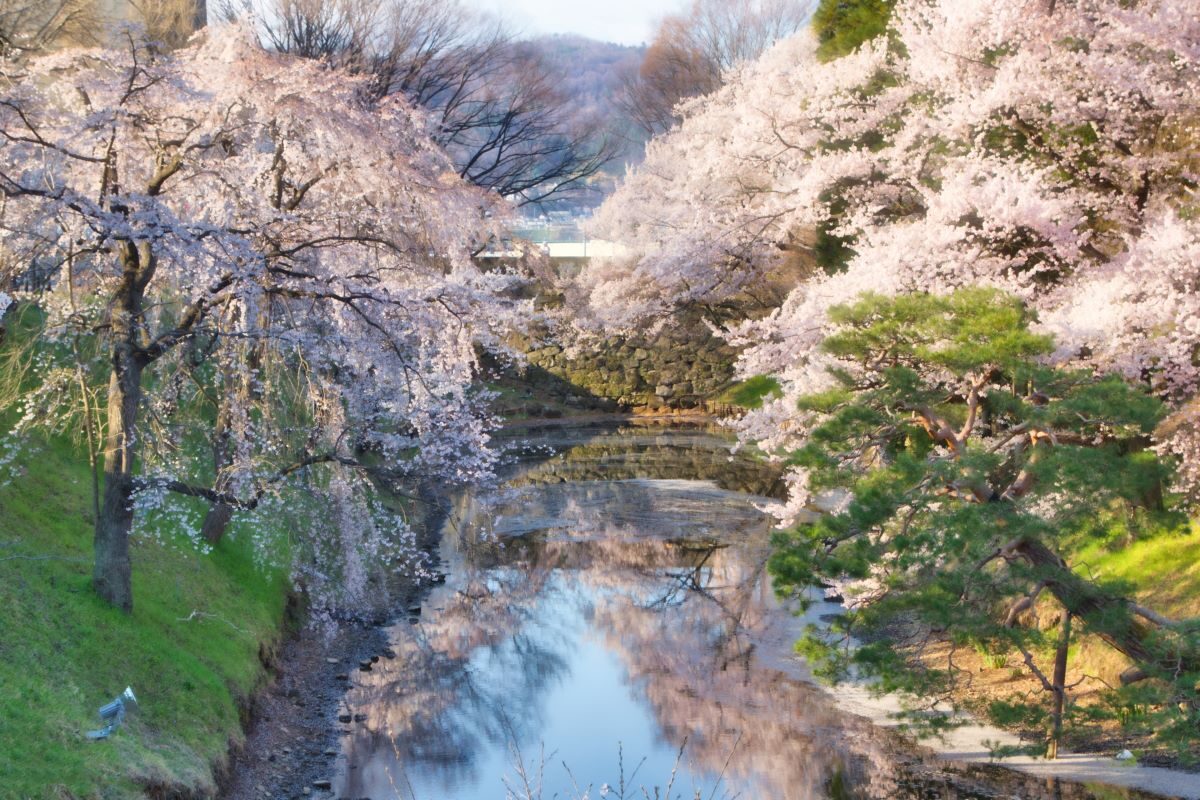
1009,714
842,25
992,659
833,252
967,331
969,468
751,392
63,653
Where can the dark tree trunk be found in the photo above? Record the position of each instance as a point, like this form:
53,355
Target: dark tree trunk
112,571
1059,686
216,522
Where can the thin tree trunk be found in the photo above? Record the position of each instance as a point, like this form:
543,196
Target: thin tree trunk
89,421
93,435
216,521
237,388
1059,684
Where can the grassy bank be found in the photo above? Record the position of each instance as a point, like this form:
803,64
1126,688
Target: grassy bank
1163,570
191,649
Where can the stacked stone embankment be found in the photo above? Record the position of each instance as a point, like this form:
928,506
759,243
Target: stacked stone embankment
682,368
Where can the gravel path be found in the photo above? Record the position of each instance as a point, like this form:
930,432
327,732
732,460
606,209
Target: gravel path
967,744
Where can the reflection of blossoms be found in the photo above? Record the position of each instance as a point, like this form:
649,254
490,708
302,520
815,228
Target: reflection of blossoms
859,592
685,616
690,619
694,642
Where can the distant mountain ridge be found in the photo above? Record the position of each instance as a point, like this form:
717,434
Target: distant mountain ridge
590,68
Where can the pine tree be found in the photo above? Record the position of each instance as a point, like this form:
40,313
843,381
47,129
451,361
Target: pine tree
958,471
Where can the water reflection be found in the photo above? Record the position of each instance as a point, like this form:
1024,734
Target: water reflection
581,615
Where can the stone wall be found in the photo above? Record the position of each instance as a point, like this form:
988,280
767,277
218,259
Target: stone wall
683,367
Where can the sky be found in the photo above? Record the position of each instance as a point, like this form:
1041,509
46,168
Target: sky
623,21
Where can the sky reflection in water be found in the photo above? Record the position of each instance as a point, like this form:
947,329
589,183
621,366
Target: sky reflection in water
593,629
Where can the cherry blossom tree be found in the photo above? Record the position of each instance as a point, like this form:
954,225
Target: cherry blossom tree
1042,149
1046,149
240,231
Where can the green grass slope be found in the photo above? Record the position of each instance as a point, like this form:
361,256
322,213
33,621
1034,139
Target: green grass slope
1163,570
63,653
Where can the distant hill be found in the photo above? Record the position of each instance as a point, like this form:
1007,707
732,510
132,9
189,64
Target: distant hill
590,70
589,67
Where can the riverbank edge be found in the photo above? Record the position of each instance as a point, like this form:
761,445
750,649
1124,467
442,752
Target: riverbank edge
292,724
291,740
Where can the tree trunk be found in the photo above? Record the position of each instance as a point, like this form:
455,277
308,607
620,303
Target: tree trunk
1059,684
216,522
112,571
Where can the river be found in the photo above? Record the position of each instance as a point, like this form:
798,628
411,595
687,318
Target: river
607,628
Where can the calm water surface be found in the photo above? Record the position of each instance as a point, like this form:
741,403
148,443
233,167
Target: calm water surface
606,629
